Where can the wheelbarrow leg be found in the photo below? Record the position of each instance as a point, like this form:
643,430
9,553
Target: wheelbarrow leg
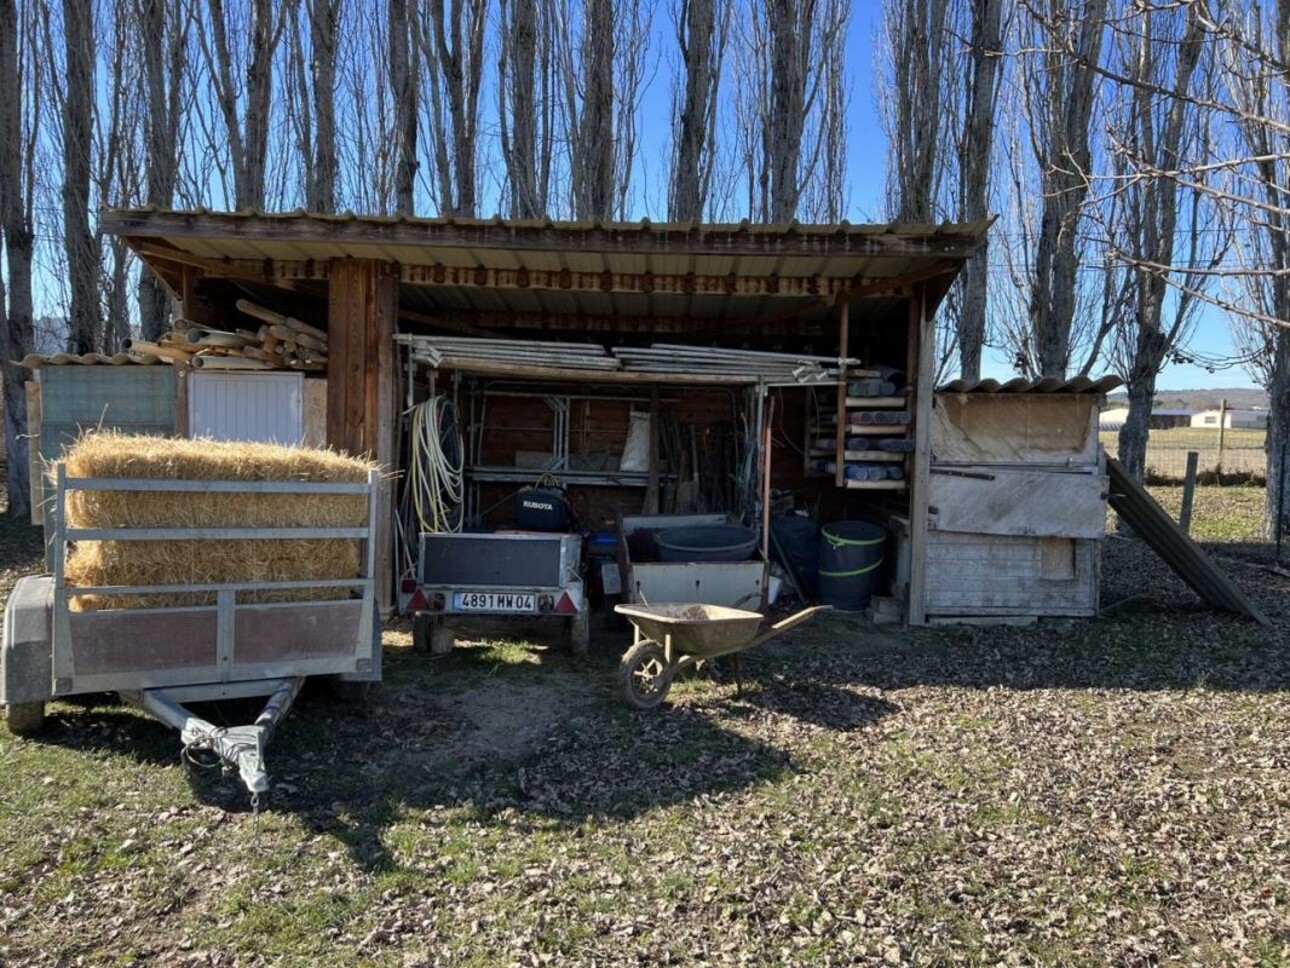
737,661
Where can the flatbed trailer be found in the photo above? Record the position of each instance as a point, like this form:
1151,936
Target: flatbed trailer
500,574
164,657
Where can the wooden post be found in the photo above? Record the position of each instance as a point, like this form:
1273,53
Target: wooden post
35,465
192,307
651,491
1222,428
362,384
1189,492
922,328
840,431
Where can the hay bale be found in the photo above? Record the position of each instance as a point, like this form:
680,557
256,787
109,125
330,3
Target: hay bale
115,455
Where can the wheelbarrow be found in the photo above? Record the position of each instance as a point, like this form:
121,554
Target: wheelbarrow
670,638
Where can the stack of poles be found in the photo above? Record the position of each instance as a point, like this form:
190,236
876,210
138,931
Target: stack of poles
281,342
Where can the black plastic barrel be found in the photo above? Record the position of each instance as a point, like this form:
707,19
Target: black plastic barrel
850,564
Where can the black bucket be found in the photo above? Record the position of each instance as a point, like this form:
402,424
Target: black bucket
850,564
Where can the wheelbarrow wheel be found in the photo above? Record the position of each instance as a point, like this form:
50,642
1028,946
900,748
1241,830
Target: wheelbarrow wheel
643,672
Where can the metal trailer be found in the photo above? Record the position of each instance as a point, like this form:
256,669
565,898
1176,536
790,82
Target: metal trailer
499,574
735,584
162,658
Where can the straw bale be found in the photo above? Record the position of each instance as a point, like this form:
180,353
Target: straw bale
111,454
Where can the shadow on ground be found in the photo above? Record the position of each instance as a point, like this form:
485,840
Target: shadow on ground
529,737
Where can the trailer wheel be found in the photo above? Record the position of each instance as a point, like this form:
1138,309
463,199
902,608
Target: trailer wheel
421,624
26,718
430,634
580,632
644,675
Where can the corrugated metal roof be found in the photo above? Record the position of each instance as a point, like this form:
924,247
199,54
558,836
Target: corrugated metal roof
1079,384
34,361
591,268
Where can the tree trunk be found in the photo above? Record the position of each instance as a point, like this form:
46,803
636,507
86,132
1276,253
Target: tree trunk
518,118
164,53
974,174
1068,99
259,101
702,76
593,161
82,247
321,181
790,32
404,76
16,314
1132,440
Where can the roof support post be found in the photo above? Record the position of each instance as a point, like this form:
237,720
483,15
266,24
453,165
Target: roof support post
362,384
922,335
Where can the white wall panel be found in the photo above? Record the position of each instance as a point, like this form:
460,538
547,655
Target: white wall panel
266,407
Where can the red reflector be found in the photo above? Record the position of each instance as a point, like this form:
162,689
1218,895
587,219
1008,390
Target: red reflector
565,605
418,603
408,586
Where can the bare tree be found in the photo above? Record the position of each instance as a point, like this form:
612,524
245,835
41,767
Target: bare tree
781,74
1058,76
983,73
526,97
17,175
916,108
1158,48
589,108
85,318
310,96
702,29
162,33
405,69
245,104
452,42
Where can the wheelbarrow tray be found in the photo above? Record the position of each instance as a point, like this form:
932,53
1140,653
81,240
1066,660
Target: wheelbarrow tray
702,631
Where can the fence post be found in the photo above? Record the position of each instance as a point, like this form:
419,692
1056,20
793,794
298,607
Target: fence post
1189,492
1222,427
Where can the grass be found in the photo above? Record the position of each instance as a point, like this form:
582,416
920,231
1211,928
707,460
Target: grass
1242,452
1111,791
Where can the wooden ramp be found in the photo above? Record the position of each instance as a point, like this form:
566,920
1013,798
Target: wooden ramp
1189,562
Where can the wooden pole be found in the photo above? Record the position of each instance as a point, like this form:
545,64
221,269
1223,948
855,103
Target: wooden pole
1222,428
651,491
840,431
1189,492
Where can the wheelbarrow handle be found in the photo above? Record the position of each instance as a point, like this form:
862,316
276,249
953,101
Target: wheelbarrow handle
794,620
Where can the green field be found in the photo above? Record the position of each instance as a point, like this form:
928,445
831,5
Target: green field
1242,452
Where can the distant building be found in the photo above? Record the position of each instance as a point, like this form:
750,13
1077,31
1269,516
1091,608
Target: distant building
1161,419
1232,419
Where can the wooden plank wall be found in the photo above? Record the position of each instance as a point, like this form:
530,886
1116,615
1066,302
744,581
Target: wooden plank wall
363,383
985,575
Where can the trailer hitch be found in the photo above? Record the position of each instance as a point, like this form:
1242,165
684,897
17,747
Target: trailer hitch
239,748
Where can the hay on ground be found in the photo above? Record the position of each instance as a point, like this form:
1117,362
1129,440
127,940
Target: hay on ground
115,455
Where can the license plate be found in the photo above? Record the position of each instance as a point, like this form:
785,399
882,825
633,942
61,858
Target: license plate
494,602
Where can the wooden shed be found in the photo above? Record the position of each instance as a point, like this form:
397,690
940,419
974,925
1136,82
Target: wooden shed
858,300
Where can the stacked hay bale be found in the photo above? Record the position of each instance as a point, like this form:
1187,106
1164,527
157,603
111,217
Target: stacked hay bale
116,455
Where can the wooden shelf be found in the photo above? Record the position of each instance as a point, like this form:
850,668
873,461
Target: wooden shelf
875,485
878,402
860,455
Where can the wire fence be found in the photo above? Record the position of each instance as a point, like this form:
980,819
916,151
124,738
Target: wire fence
1229,456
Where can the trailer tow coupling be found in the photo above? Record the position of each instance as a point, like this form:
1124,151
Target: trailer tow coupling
239,748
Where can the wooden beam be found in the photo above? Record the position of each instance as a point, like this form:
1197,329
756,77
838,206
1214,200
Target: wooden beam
486,324
261,273
894,284
922,327
479,234
192,306
362,385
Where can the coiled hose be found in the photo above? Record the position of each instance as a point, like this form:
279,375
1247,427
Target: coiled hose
435,468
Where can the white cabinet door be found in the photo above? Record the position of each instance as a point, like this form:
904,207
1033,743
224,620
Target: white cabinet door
265,407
